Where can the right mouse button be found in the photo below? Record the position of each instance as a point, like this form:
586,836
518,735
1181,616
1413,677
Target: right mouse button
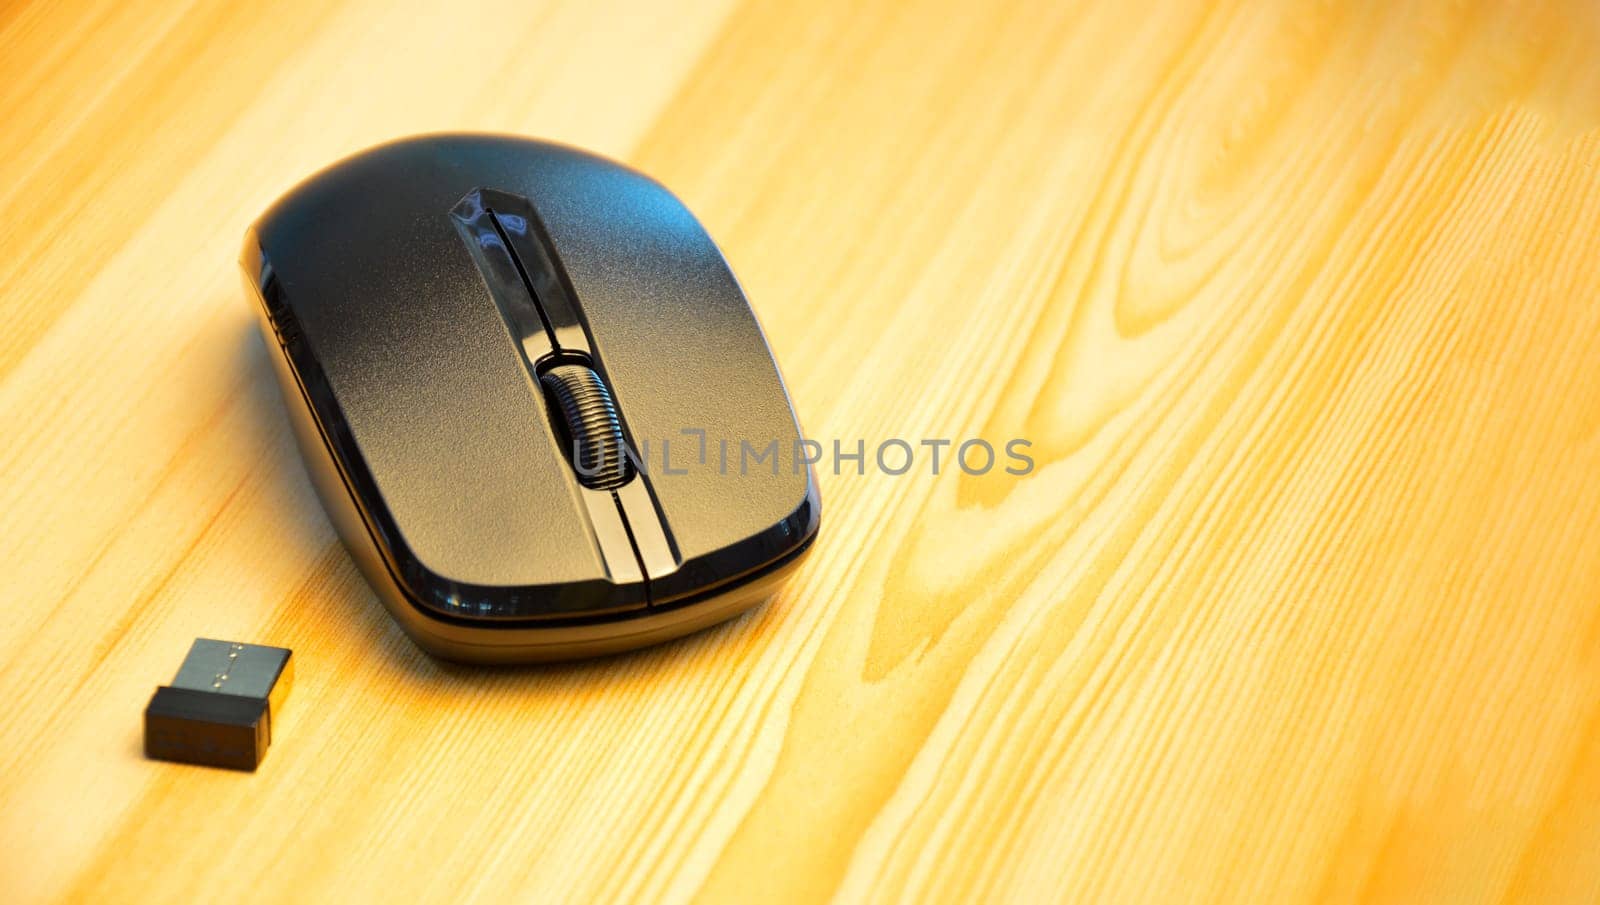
689,369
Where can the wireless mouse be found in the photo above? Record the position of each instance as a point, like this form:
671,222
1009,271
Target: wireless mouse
531,396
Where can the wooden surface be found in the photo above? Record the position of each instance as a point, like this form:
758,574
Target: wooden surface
1299,304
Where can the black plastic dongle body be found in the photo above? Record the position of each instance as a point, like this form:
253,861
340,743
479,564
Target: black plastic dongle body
219,708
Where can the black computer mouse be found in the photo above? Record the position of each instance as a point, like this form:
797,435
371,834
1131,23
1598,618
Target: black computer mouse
531,396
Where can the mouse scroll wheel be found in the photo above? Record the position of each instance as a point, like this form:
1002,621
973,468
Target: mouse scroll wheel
593,429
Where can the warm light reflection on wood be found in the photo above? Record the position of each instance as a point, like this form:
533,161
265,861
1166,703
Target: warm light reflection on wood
1299,304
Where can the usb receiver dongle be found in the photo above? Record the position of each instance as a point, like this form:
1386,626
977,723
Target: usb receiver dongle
219,709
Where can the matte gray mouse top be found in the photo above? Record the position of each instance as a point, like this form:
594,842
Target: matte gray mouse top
532,397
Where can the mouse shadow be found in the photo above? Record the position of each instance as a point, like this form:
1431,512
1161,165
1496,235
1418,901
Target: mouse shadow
333,587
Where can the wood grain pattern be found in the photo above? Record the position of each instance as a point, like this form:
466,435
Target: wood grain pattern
1298,303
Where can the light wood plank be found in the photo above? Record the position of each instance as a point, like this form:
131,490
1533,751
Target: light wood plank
1296,303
